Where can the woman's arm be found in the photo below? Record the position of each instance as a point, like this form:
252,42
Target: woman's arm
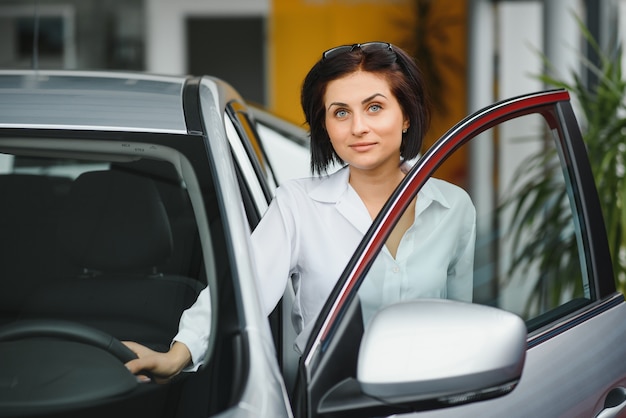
162,366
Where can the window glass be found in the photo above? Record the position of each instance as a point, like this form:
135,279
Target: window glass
120,236
289,158
100,240
523,252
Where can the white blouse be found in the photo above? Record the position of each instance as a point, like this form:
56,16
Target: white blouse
314,225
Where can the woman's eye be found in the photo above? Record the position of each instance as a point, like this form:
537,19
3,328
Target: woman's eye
375,108
341,113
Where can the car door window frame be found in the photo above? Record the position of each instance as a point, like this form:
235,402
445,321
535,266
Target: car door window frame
249,147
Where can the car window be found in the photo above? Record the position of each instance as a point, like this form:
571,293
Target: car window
120,237
538,262
68,223
522,252
286,144
289,157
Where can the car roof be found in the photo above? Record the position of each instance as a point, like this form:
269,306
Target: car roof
92,100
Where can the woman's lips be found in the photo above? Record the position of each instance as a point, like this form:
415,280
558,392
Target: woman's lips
363,146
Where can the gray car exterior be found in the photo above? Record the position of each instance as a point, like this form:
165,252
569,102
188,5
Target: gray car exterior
112,103
552,357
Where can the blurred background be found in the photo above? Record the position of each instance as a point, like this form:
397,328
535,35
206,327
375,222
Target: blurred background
473,52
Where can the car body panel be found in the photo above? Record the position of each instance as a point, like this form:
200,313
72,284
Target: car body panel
569,377
262,362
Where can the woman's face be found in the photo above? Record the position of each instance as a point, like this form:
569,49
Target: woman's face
364,121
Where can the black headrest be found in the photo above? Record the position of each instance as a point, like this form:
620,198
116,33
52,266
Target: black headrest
166,180
24,192
115,221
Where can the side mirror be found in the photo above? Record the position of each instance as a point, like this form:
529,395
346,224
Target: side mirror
442,350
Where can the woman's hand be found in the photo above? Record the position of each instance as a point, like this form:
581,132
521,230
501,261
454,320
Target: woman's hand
162,366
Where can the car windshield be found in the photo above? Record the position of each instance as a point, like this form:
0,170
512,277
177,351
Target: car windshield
102,236
92,232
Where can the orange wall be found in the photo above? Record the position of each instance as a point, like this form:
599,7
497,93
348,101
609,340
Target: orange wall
300,30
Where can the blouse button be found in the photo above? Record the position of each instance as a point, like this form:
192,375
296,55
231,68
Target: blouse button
395,269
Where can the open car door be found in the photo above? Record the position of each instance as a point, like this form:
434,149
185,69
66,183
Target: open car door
544,334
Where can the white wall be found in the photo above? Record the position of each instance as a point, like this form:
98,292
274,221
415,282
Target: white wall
165,27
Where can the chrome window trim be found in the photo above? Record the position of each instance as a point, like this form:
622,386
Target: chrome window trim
568,322
246,167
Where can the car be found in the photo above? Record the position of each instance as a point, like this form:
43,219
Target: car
286,144
126,194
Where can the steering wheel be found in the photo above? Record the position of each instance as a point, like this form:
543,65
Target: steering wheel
77,367
68,331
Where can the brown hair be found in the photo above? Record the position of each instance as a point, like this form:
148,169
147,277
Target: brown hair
401,72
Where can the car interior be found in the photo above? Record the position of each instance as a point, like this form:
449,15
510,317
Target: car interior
97,251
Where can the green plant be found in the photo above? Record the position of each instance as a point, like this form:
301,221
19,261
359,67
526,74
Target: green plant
538,209
541,231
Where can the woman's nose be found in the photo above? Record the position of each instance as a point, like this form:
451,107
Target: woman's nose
359,125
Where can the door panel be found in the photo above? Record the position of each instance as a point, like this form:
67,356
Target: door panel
568,376
540,252
584,362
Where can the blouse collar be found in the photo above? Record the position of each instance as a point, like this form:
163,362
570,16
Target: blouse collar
332,187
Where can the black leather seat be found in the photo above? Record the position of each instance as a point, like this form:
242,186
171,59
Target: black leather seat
116,229
29,253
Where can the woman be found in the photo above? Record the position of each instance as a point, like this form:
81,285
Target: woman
366,108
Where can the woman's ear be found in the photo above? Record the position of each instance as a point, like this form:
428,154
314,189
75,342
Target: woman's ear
405,125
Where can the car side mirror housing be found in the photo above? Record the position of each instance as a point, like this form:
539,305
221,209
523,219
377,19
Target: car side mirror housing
443,350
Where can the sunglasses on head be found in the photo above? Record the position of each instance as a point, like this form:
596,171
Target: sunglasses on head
368,46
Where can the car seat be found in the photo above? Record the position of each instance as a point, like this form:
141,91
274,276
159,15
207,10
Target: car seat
29,253
116,230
